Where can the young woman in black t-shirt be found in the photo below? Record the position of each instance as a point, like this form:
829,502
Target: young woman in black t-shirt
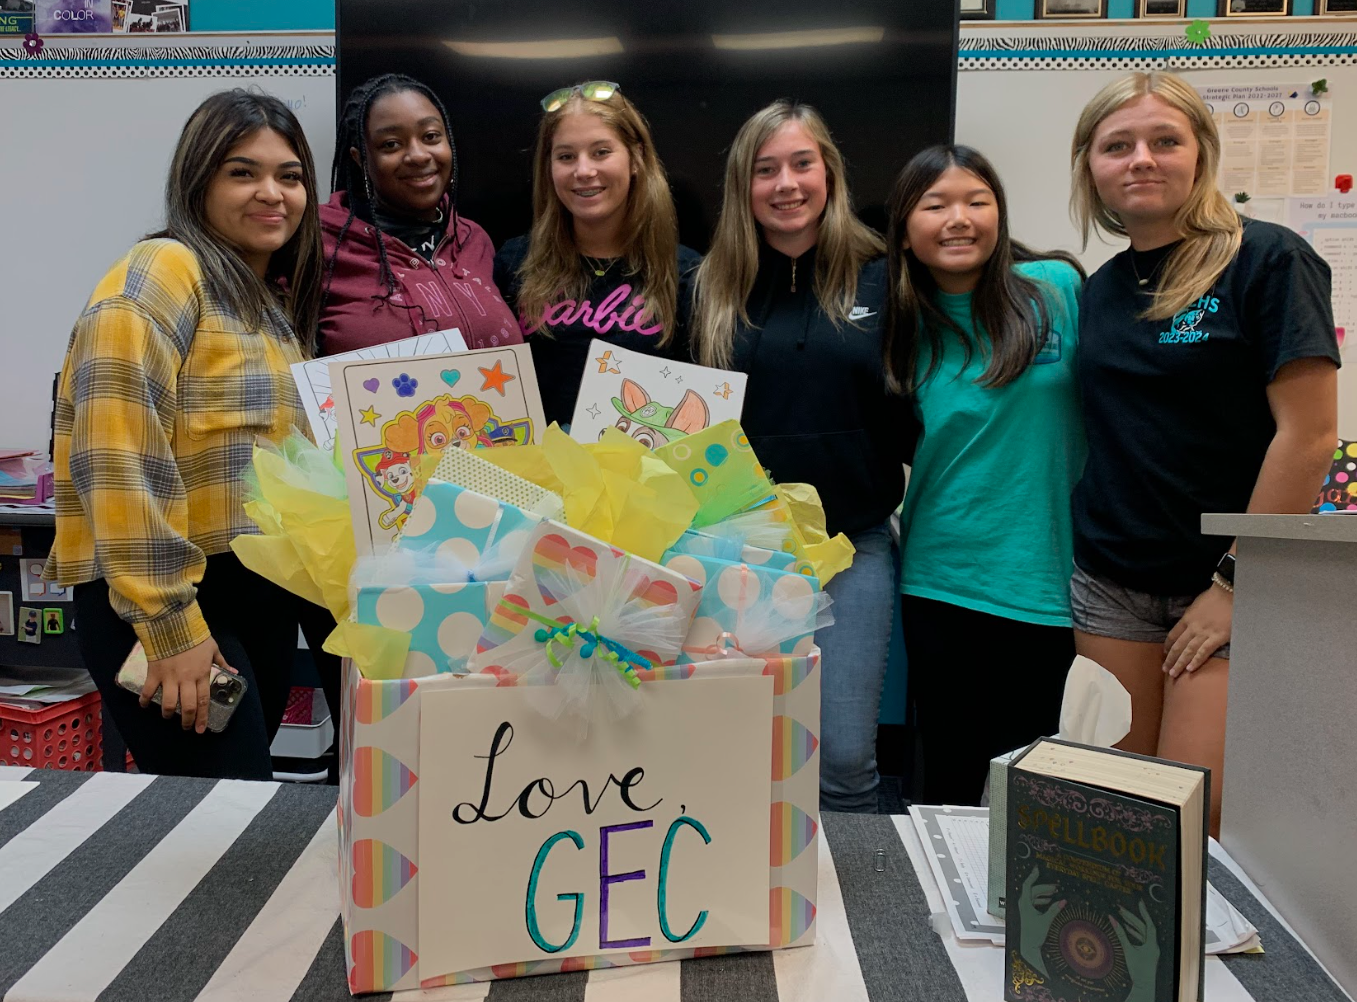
602,259
1208,369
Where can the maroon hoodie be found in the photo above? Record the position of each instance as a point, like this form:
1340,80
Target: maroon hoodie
456,290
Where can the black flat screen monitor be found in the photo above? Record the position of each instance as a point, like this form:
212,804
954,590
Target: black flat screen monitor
883,72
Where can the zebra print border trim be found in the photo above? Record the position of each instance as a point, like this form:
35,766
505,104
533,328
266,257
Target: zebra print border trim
987,52
1058,52
166,61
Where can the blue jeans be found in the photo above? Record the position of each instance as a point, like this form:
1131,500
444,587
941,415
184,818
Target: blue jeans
853,668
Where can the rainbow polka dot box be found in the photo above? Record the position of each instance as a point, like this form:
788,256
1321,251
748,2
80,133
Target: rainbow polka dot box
475,823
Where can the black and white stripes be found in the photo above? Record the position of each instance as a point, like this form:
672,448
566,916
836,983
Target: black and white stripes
138,889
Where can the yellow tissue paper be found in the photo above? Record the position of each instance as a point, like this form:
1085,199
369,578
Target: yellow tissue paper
615,489
829,555
379,652
300,504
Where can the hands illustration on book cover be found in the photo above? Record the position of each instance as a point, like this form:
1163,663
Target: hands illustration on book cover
1080,942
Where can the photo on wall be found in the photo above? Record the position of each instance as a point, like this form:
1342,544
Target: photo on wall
1161,8
30,625
6,613
1082,9
151,16
171,17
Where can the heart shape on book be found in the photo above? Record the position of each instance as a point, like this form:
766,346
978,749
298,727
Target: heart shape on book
562,564
371,385
450,376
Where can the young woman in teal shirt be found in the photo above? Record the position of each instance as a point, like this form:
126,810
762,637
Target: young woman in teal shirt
982,332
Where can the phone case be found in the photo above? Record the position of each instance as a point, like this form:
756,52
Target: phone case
226,693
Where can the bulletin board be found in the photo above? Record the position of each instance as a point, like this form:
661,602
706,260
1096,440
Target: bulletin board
1022,85
89,126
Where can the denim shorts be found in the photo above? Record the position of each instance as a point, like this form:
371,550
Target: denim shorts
1104,608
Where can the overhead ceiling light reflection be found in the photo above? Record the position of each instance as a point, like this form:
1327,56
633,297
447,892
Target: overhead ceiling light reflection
554,48
799,39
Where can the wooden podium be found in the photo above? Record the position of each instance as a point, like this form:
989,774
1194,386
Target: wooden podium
1290,799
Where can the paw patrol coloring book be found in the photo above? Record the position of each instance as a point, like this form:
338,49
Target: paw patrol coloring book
396,416
654,400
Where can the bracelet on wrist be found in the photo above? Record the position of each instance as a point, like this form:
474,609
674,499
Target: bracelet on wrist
1219,581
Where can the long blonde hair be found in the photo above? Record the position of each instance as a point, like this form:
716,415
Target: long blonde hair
1210,227
726,276
552,268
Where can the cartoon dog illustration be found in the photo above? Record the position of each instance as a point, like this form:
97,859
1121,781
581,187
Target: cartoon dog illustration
652,424
397,476
445,422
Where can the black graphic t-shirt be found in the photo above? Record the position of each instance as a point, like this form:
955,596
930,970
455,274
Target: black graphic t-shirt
1176,410
610,311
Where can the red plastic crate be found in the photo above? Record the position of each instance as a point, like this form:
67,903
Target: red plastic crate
61,736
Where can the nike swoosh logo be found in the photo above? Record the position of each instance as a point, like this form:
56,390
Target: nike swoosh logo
860,313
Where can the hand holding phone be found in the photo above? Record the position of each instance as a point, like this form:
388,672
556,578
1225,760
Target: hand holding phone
187,683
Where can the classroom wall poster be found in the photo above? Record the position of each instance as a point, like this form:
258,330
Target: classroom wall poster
1274,138
1330,225
392,414
647,835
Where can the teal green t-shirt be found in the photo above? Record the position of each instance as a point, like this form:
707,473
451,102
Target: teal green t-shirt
986,522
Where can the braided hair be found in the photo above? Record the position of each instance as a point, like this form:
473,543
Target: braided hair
354,178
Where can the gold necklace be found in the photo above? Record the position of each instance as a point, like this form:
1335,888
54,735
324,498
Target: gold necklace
597,266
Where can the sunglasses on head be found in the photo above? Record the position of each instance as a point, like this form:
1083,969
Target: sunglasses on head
594,90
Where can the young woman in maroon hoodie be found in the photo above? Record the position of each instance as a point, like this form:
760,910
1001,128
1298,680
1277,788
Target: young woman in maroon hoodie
399,260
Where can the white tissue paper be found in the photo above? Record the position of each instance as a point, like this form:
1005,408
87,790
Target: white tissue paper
1096,710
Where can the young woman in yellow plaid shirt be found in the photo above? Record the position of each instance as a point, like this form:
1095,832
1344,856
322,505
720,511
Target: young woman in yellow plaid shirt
178,362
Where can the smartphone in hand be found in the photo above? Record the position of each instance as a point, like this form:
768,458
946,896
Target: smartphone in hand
226,690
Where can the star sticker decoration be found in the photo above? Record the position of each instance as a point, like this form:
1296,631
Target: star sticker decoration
592,410
495,378
606,363
723,391
1198,32
369,415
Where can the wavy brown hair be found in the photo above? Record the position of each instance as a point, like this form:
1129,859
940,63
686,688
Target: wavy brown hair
220,124
727,274
1008,307
1210,227
553,267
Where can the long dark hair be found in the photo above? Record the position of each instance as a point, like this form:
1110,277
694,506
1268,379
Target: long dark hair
1009,308
220,124
354,179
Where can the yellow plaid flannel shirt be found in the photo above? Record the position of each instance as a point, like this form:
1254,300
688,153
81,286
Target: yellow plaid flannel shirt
162,394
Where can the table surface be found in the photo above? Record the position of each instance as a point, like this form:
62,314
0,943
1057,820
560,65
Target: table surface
124,888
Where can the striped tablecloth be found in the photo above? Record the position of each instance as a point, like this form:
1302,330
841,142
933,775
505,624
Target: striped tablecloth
126,888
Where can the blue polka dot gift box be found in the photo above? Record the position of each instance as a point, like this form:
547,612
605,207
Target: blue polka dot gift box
749,611
445,576
468,529
731,548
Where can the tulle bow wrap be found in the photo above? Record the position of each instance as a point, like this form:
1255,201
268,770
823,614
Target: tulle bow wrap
581,658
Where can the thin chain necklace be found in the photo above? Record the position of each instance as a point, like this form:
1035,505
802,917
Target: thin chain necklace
597,265
1142,282
793,274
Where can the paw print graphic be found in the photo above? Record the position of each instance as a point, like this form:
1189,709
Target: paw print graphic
32,43
1198,32
405,385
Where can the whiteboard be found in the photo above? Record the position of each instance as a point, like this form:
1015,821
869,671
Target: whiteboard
1021,107
83,164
